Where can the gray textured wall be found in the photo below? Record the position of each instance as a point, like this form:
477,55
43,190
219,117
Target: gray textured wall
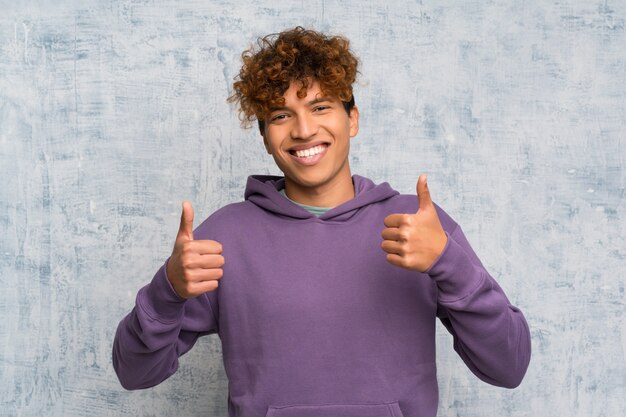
112,112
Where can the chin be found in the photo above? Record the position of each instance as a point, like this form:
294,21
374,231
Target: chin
307,182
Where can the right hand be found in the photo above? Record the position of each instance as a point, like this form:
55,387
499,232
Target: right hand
195,265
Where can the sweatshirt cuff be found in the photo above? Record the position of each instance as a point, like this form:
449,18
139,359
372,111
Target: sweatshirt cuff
454,273
159,299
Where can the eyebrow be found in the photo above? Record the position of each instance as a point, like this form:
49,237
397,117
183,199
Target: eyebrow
310,103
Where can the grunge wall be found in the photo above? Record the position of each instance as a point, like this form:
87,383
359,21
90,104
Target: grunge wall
113,112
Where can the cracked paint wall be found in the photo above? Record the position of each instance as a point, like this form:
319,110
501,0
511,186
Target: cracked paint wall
112,112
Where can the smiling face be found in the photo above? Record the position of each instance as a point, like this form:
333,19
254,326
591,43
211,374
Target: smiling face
309,139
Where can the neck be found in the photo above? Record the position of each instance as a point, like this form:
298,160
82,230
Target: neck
331,193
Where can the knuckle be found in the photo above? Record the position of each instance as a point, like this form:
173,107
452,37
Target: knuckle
217,247
185,291
185,261
187,279
186,249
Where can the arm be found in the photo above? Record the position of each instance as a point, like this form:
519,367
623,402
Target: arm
178,306
161,327
490,334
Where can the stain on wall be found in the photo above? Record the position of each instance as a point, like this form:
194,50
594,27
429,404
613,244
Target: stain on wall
112,113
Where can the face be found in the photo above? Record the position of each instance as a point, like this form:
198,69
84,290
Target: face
309,139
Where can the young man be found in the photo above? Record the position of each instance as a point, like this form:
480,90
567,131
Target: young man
324,287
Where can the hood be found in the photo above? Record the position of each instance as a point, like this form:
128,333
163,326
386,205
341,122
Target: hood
263,191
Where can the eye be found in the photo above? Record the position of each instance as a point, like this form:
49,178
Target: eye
321,108
278,117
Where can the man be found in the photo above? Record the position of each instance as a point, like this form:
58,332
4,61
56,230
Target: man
323,286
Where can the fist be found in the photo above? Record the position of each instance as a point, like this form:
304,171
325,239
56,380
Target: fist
415,241
195,266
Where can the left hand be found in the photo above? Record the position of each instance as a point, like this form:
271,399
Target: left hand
415,241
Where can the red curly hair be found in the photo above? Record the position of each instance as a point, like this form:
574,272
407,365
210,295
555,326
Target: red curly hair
299,55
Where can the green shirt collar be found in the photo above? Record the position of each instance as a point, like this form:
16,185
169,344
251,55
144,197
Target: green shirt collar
317,211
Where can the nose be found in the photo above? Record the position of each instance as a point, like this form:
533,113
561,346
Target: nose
305,127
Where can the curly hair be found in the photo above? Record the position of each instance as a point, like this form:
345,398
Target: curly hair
299,55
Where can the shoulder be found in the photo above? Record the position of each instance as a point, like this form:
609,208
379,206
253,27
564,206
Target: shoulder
226,219
408,203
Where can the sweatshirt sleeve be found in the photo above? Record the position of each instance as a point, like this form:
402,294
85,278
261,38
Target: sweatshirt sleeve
161,327
490,334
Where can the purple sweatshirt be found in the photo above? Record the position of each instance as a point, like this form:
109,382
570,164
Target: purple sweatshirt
315,322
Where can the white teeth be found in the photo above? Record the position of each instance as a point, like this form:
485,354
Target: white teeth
309,153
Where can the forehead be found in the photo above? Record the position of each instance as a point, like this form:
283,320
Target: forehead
314,93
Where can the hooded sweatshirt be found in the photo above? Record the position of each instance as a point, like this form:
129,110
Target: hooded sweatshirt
315,322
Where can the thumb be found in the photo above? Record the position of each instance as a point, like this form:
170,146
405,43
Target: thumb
185,231
423,194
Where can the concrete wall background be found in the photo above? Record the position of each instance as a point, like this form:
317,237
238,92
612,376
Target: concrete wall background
112,112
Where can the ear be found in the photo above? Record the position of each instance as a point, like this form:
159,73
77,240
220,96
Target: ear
265,143
354,121
262,126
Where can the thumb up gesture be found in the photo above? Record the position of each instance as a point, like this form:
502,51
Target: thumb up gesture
195,265
414,241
